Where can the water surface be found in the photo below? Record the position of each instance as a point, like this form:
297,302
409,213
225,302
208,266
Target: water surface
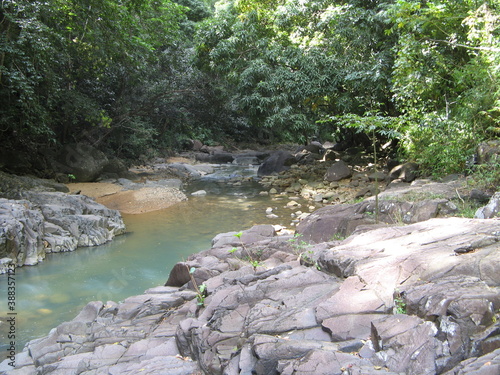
55,290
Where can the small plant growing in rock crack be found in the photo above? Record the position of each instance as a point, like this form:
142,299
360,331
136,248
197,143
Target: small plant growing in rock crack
306,259
298,245
338,237
399,303
201,290
254,262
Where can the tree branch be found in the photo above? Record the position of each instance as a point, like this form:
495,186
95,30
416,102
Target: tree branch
489,49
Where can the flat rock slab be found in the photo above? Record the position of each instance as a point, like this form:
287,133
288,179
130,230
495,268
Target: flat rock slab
143,200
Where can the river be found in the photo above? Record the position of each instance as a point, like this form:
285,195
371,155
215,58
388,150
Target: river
55,290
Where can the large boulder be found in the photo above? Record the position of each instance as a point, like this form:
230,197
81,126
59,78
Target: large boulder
338,221
488,152
491,209
21,232
84,162
338,171
45,222
277,162
11,185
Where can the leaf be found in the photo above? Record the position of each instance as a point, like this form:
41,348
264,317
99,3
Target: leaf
191,270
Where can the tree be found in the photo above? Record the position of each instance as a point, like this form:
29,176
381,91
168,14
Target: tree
288,63
446,78
69,68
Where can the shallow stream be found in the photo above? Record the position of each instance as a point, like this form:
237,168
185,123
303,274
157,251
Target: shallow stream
55,290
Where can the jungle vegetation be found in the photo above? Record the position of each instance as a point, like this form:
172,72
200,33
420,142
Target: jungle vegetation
136,77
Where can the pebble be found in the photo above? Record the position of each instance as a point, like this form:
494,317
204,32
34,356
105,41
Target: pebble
199,193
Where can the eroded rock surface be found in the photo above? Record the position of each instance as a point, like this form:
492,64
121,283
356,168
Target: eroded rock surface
415,299
45,222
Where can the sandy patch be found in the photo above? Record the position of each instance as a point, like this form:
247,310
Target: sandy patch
179,159
129,201
142,200
94,189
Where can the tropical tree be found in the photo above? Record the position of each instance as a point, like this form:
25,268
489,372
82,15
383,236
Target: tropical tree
290,62
446,78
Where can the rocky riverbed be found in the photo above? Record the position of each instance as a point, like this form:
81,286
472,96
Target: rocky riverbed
393,286
416,299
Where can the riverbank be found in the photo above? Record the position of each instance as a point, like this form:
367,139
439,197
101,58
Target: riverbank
356,295
418,299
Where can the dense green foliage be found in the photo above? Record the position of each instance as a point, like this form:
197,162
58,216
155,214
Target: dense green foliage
311,68
106,72
138,76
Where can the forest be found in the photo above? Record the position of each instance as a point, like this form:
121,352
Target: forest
136,78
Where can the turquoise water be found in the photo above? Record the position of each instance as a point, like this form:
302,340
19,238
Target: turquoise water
55,290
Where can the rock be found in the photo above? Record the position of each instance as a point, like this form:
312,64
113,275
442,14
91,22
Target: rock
145,199
315,148
184,170
327,222
197,145
221,158
45,222
377,176
318,198
277,162
215,157
487,152
246,160
83,161
341,220
485,365
405,172
12,185
170,183
330,155
116,168
199,193
204,169
479,196
337,172
394,299
491,209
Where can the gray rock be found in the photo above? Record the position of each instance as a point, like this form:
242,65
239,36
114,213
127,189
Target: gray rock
407,172
83,161
487,152
491,209
488,364
396,299
45,222
480,196
277,162
12,185
199,193
338,171
185,170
